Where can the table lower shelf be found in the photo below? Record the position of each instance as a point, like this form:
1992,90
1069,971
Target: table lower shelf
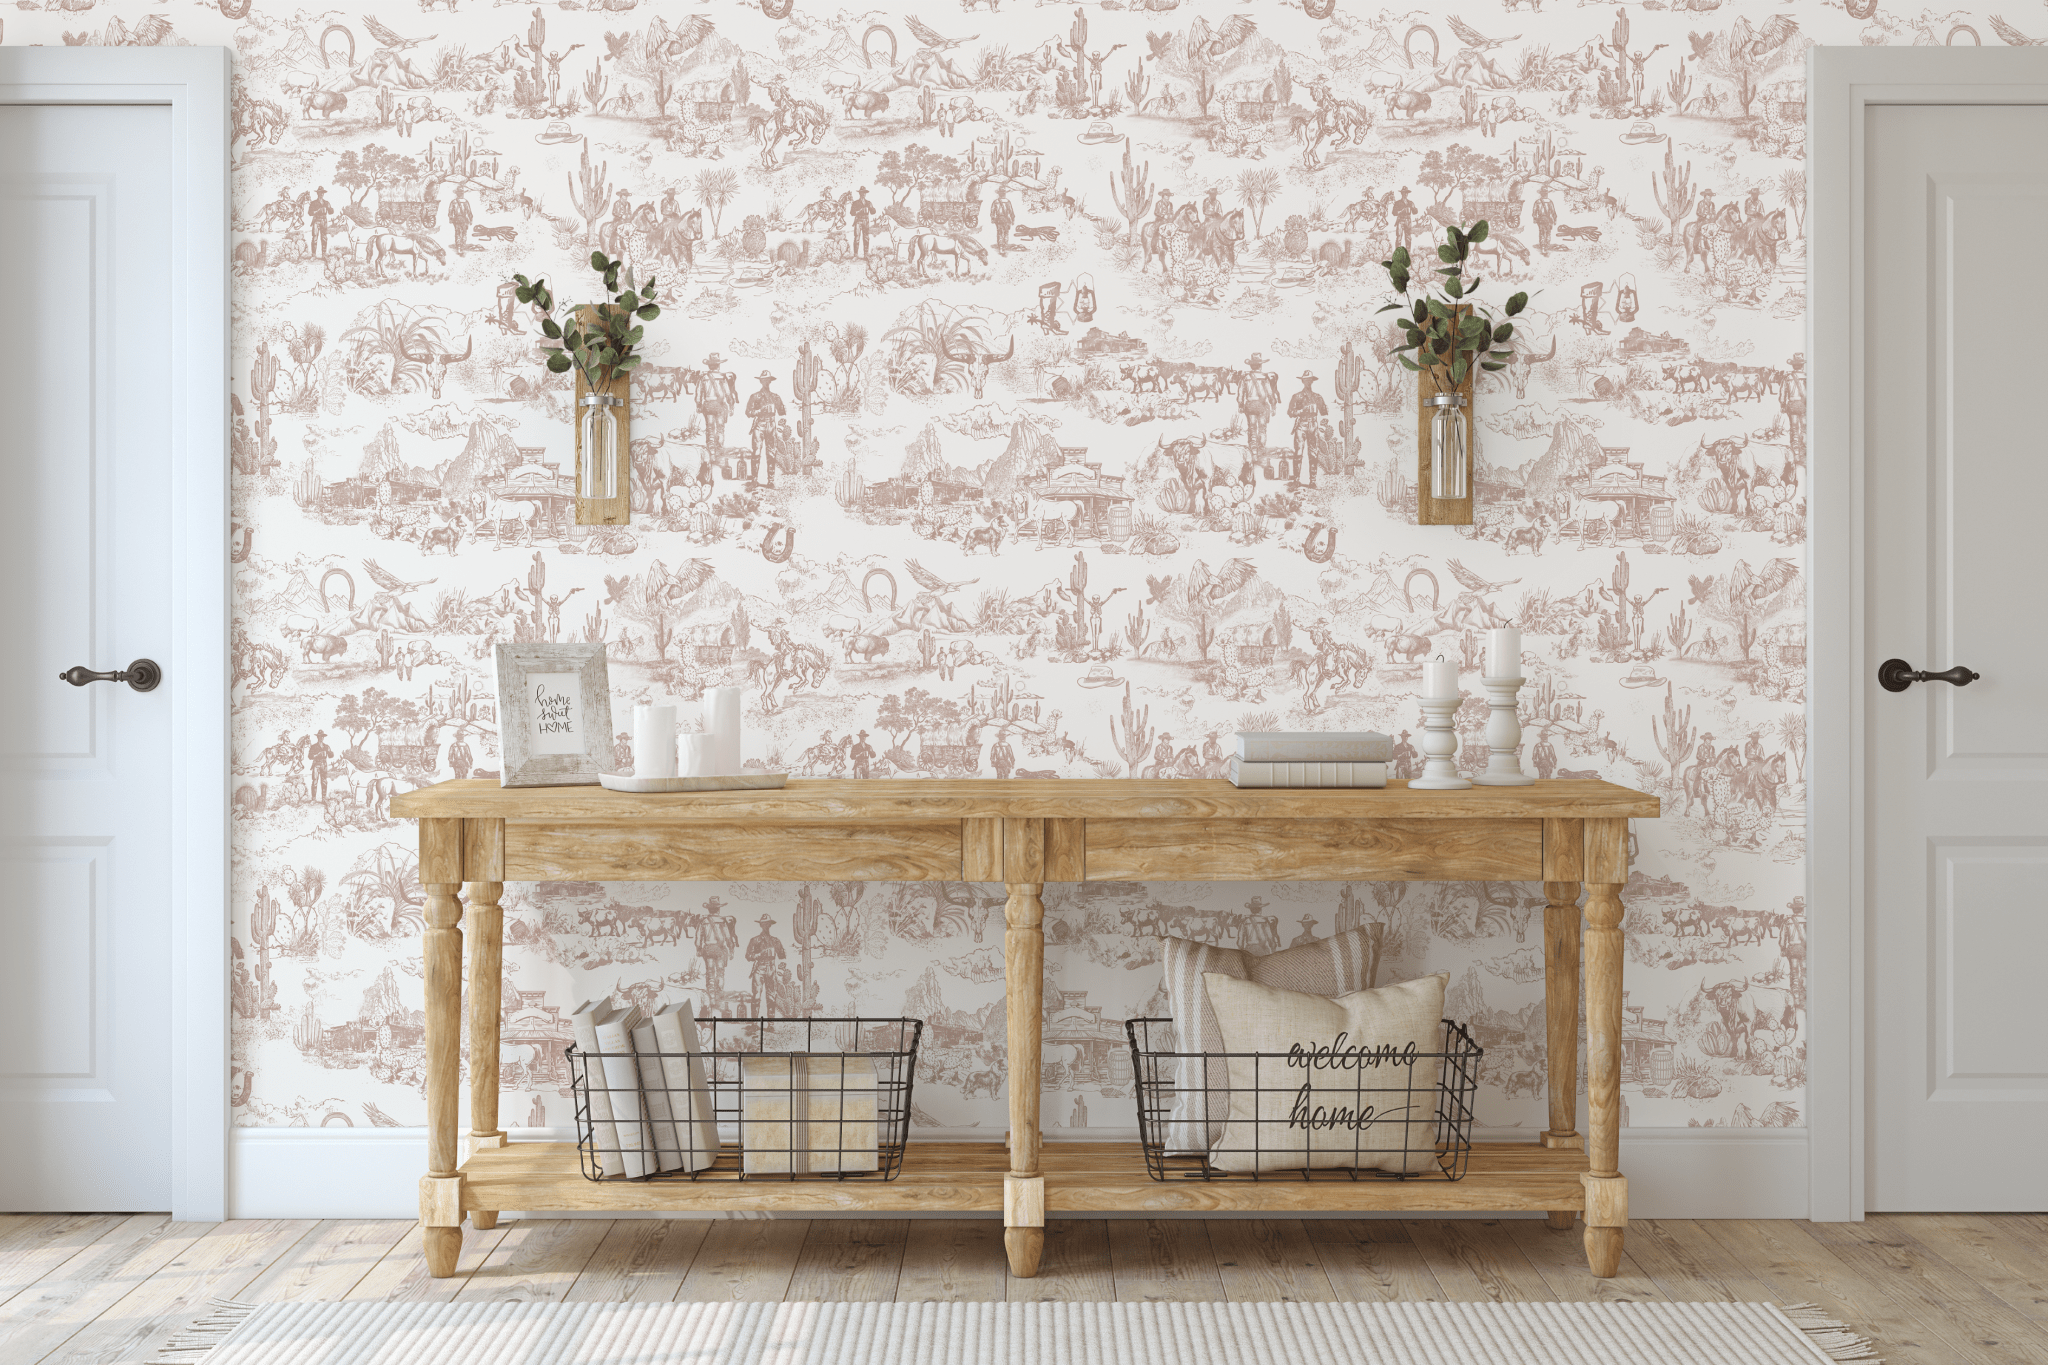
1080,1177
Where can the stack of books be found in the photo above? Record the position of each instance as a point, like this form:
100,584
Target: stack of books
1327,758
650,1100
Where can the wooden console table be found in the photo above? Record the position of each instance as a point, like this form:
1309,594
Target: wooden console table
1024,834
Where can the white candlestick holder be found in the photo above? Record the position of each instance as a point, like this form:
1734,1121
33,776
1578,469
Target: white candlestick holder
1503,736
1440,746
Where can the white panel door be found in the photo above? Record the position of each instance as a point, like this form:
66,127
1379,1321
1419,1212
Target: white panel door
84,789
1957,1039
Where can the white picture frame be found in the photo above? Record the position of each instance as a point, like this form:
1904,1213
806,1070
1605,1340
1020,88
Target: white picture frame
554,714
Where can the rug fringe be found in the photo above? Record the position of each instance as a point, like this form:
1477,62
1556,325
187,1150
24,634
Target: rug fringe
1831,1336
198,1337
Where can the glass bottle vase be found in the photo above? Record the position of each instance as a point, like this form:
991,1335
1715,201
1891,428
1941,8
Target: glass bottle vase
597,470
1450,444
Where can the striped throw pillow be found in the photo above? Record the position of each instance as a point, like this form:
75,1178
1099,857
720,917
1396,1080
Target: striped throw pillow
1329,966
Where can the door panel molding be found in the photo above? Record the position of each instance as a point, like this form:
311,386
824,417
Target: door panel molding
1842,84
193,82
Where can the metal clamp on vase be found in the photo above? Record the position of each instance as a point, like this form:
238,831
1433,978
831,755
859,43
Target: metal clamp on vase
1502,681
1440,702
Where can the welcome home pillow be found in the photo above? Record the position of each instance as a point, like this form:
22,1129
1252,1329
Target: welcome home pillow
1329,966
1338,1082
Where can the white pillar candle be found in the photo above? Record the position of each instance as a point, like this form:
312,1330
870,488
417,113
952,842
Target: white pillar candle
722,722
1440,678
697,757
654,741
1504,653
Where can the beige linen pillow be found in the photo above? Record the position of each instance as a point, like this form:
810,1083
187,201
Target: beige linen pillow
1332,1088
1329,966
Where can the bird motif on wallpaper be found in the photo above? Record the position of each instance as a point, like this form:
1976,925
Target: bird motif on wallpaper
1233,575
615,589
1158,587
1474,581
1472,37
930,581
689,33
2012,36
389,581
929,36
386,38
1226,37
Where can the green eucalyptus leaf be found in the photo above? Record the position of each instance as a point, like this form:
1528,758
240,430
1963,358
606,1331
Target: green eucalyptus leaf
649,312
598,262
1479,231
631,362
1408,364
1492,365
1446,254
1517,304
1504,331
557,362
550,328
1454,287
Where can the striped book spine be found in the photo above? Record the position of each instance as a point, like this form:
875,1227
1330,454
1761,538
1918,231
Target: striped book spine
1246,774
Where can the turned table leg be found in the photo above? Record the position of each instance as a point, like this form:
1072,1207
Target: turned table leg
486,985
1024,982
1606,1187
441,1186
1561,1019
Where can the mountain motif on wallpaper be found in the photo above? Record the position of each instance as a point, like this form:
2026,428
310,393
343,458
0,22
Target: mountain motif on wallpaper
1019,408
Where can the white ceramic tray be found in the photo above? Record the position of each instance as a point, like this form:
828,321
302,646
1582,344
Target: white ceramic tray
745,782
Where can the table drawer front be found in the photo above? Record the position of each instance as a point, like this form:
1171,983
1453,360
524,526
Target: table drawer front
1315,850
709,853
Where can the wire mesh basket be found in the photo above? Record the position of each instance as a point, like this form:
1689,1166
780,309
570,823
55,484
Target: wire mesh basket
767,1099
1409,1114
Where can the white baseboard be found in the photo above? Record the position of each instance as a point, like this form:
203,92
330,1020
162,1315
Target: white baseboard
374,1172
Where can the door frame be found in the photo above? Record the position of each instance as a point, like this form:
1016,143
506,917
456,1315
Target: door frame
1841,85
194,82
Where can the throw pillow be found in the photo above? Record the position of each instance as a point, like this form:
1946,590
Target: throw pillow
1329,966
1344,1082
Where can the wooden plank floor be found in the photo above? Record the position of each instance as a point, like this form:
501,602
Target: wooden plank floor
1931,1289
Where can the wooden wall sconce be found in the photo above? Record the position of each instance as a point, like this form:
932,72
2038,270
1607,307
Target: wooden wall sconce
1443,488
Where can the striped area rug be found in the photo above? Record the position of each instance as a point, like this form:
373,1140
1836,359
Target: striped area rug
1017,1334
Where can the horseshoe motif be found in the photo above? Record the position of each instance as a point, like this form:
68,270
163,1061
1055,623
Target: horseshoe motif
1436,591
768,550
1328,546
347,578
345,32
777,9
1860,9
890,34
1436,47
1964,28
869,577
1319,9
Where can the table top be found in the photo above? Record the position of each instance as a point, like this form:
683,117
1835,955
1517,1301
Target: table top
908,801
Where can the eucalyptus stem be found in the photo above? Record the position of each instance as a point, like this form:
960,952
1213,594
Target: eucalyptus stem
600,347
1441,322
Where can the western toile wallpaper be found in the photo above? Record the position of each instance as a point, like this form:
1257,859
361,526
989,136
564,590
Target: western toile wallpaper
1020,409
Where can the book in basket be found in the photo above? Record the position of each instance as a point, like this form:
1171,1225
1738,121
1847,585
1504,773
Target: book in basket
1314,746
604,1034
808,1113
679,1105
1328,775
